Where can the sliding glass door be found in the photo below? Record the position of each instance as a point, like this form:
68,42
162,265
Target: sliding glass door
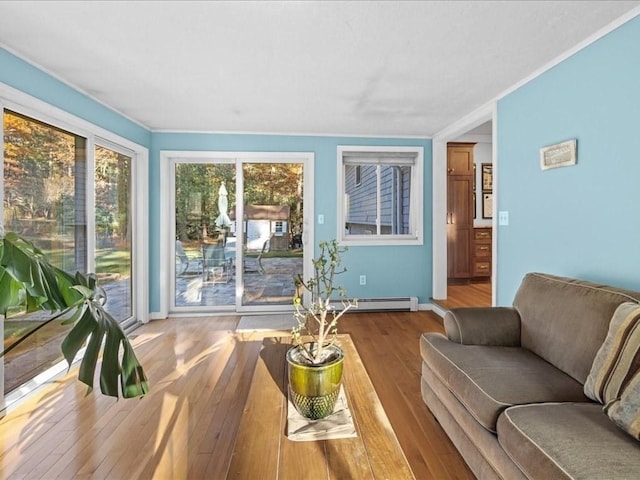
70,196
238,228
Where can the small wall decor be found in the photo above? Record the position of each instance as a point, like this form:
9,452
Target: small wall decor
487,177
487,205
558,155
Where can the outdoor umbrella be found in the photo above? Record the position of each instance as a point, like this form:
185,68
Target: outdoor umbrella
223,219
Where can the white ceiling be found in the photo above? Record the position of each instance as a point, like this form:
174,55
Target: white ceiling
360,68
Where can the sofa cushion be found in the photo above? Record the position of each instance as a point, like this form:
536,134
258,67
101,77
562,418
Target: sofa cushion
619,356
567,441
489,379
565,321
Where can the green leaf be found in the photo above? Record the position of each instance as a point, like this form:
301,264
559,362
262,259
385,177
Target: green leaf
110,362
28,280
73,318
10,289
78,335
84,291
134,382
89,361
52,277
17,262
66,282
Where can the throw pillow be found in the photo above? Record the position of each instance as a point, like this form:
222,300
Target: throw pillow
619,356
625,411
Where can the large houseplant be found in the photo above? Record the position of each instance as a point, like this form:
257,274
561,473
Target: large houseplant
315,362
29,282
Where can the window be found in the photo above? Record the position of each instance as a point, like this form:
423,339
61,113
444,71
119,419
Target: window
380,195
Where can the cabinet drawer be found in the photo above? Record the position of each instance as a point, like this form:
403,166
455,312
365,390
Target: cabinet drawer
482,250
482,234
482,269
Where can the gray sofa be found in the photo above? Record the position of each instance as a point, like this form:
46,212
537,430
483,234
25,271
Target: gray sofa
506,384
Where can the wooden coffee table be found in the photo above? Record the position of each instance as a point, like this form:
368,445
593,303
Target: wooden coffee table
262,450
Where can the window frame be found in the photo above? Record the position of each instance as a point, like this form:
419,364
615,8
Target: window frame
416,219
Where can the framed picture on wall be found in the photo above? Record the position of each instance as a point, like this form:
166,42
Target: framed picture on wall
559,155
487,177
487,205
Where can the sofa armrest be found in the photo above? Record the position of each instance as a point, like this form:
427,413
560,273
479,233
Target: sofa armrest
498,326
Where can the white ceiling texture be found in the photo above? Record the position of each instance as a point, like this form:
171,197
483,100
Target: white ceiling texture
358,68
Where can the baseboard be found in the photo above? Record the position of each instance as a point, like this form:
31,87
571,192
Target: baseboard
437,309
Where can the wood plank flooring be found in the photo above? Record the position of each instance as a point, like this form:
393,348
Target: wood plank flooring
200,374
467,295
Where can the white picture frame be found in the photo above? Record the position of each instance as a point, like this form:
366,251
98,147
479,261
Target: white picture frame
487,205
558,155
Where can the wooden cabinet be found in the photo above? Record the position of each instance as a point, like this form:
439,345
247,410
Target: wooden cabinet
459,210
460,158
468,248
459,226
481,261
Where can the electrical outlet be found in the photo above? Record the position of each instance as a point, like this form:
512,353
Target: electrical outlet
363,279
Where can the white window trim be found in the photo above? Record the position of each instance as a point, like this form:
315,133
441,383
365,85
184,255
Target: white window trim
416,217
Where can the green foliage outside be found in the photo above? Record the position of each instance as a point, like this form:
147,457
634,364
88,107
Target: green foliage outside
197,187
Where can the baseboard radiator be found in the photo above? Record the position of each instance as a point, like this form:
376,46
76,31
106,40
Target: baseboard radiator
398,304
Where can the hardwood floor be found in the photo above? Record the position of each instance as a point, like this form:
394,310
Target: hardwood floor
200,373
467,295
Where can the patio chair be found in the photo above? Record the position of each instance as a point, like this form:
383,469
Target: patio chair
216,267
184,264
254,264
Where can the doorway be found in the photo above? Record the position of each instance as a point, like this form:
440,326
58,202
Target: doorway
474,263
238,224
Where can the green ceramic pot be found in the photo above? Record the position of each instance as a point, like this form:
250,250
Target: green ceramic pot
314,389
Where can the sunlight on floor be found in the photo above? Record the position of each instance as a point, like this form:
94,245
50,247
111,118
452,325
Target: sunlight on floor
172,439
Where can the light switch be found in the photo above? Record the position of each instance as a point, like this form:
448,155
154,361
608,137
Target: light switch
320,219
503,218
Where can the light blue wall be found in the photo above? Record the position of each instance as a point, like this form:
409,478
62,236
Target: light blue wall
580,221
391,271
25,77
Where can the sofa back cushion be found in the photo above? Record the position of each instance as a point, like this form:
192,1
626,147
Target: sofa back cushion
565,321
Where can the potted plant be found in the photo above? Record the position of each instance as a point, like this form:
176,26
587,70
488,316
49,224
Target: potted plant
29,283
315,362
